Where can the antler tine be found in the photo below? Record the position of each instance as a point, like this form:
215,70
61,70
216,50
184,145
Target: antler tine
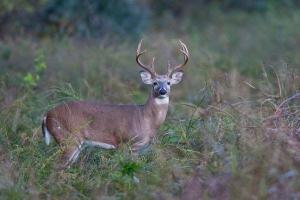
186,55
152,65
169,68
145,67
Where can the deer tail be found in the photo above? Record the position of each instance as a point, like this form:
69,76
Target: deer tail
45,131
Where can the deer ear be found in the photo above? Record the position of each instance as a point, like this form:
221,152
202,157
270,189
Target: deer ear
146,77
176,77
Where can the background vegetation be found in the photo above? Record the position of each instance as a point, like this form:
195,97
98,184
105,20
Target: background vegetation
233,125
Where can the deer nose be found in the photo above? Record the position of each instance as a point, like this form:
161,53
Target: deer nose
162,91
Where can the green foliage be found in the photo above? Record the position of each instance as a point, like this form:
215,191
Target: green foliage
129,168
74,17
193,6
65,92
120,18
95,17
5,53
31,78
7,6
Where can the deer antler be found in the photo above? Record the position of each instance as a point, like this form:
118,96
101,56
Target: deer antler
145,67
186,55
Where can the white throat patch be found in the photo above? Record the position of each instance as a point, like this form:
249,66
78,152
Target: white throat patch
161,101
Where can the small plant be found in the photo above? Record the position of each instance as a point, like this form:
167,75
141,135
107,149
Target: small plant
129,168
31,78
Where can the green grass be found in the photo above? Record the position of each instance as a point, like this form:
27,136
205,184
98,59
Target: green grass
218,128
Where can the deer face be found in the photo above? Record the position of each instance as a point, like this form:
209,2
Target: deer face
161,84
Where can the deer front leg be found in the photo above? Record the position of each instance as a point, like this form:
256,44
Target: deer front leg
140,144
69,155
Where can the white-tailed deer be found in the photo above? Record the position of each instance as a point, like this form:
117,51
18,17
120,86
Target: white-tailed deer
76,124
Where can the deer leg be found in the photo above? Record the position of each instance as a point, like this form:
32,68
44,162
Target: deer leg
99,144
69,156
140,145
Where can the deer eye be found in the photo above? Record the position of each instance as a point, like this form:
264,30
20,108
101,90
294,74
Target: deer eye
155,83
168,82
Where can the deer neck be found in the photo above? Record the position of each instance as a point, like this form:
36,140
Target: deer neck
156,109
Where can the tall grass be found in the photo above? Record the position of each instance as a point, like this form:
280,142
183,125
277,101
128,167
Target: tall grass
227,134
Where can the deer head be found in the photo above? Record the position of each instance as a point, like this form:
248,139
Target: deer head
161,84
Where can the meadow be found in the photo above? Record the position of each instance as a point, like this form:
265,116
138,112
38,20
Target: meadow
232,130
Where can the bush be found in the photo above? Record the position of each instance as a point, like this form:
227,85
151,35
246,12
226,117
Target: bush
73,17
93,17
194,7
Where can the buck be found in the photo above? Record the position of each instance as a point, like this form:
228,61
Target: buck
77,124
